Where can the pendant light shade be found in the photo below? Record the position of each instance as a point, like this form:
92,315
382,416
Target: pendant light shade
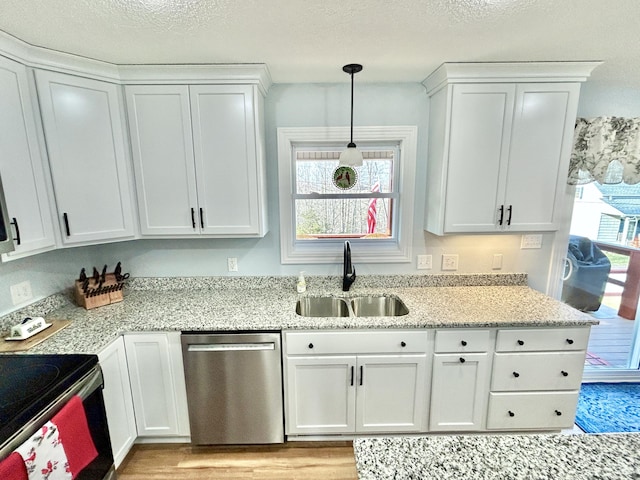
351,157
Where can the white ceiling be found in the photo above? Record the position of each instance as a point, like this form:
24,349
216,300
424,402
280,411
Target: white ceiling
310,40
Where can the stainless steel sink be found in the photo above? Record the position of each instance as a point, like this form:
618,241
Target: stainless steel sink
378,306
322,307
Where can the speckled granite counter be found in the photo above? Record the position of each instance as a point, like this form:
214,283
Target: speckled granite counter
268,303
504,457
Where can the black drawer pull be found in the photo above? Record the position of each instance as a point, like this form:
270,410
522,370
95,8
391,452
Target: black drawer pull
403,344
558,412
201,218
501,214
311,345
361,374
510,209
520,342
516,374
14,221
570,341
463,343
565,374
193,217
462,360
511,414
352,369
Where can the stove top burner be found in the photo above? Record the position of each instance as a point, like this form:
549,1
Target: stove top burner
29,383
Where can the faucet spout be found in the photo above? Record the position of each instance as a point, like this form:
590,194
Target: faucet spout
349,271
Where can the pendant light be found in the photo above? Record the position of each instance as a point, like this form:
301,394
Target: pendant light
351,157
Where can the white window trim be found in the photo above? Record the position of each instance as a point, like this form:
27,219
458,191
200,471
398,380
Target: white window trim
365,251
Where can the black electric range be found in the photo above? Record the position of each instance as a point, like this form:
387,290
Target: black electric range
29,383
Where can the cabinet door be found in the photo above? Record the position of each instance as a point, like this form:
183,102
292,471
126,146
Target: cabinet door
478,150
541,144
391,394
459,389
160,126
21,165
87,153
157,384
117,399
320,395
227,164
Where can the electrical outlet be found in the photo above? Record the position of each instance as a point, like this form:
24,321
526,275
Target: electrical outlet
21,292
425,262
497,261
531,241
450,261
232,264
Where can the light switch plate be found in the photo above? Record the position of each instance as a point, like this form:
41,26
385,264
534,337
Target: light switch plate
497,261
21,292
531,241
450,261
232,264
425,262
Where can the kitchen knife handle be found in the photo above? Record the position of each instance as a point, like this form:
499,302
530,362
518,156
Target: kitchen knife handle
193,217
201,218
510,209
14,222
66,223
501,214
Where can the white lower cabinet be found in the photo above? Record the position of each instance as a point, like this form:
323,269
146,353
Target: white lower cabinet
157,384
356,383
536,378
117,399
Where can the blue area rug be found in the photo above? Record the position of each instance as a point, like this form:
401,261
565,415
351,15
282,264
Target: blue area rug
609,407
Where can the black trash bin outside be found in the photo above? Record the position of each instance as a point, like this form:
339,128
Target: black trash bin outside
584,287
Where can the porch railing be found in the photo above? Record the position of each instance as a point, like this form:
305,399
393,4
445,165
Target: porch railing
631,284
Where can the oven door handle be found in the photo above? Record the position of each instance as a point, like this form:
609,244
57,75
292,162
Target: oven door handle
83,388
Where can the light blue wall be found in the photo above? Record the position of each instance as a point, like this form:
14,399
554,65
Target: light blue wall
307,105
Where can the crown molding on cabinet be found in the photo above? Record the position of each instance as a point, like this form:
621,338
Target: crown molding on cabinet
513,72
46,59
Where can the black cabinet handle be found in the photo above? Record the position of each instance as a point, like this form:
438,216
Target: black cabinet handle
565,374
558,412
463,343
501,214
14,221
201,218
193,217
516,374
403,344
361,374
510,209
511,414
462,360
352,369
520,342
66,223
570,341
311,345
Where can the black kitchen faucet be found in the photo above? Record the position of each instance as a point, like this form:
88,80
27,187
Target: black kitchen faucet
349,271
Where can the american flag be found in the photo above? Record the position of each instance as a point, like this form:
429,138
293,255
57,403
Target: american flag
372,211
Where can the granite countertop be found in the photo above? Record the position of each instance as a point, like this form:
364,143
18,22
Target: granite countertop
504,457
268,303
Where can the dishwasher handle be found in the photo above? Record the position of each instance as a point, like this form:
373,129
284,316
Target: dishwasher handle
231,347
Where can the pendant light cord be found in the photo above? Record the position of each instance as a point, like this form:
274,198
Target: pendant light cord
351,142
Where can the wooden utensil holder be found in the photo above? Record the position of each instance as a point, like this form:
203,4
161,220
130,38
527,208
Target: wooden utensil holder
110,291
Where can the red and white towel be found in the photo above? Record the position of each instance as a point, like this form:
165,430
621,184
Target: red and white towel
60,450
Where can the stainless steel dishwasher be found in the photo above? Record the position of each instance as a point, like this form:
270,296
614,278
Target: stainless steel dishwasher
234,387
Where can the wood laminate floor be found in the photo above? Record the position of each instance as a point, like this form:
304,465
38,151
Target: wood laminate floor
294,460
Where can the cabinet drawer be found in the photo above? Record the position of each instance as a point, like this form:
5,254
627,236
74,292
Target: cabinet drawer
355,342
454,341
537,371
544,410
542,339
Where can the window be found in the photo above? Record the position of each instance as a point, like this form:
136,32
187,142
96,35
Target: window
375,215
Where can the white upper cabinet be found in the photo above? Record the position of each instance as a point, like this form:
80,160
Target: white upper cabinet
199,159
83,126
21,165
500,137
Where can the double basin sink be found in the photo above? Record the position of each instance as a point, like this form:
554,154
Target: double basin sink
364,306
